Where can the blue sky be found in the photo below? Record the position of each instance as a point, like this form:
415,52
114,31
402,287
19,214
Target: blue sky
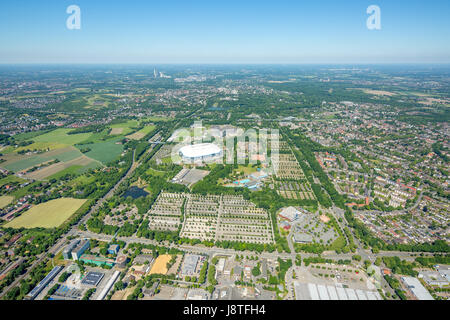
215,31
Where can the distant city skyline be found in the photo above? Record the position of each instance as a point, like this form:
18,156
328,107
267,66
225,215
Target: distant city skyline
224,32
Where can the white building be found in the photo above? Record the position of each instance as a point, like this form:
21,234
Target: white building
417,289
201,151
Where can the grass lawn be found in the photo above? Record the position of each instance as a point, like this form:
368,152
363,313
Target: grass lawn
61,136
245,169
153,172
5,200
50,214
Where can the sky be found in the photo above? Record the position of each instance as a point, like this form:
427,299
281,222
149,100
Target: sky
216,31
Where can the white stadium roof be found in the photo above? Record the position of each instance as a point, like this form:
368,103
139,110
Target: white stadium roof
200,150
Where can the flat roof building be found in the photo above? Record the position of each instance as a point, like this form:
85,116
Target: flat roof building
80,249
312,291
113,249
416,288
67,252
190,264
41,285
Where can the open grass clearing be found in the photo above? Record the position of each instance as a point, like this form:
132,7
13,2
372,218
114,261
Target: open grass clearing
61,136
50,214
141,133
5,200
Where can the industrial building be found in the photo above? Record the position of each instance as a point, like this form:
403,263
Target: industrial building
80,249
312,291
190,264
416,288
200,152
41,285
93,278
108,285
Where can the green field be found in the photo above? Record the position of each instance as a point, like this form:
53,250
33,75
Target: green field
50,214
125,126
104,151
24,162
5,200
141,133
61,136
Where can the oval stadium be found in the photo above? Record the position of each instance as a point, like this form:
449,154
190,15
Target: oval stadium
201,151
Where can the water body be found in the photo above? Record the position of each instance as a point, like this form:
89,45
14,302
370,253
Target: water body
135,193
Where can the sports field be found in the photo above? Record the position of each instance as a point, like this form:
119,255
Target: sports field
49,214
141,133
160,265
5,200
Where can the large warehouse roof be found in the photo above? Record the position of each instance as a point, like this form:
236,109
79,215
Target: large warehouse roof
200,150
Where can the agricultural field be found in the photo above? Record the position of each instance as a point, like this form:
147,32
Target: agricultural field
50,214
61,136
41,146
104,152
17,162
5,200
141,133
123,128
53,169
